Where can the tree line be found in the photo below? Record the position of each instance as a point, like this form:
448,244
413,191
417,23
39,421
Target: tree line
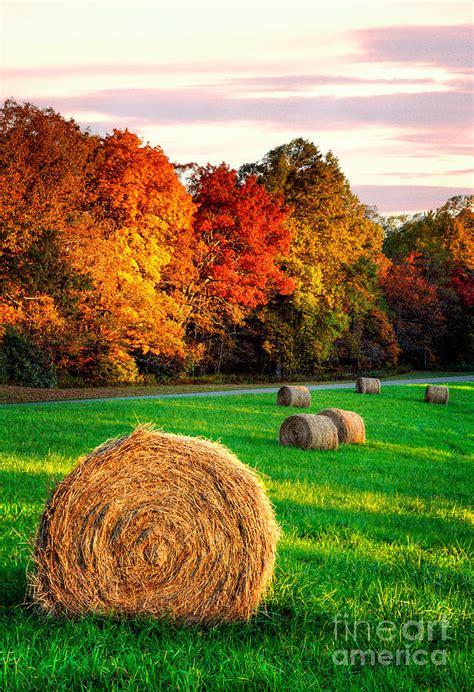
118,266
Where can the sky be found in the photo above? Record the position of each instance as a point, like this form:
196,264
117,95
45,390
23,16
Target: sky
384,85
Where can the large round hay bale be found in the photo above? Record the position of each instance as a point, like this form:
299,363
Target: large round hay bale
297,396
350,426
156,524
308,431
368,385
436,395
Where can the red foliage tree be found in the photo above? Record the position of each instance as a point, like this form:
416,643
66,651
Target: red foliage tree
462,281
241,236
414,308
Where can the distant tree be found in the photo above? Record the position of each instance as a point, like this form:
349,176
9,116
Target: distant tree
445,237
443,243
414,308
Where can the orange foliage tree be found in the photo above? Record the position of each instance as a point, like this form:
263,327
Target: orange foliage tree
44,164
133,241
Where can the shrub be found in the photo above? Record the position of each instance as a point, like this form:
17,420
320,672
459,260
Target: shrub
24,363
163,368
3,368
112,368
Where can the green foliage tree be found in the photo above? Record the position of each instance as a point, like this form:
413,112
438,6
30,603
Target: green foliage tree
334,247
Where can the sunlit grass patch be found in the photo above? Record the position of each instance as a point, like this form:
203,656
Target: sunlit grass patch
376,532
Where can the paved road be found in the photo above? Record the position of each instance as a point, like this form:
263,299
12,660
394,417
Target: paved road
255,390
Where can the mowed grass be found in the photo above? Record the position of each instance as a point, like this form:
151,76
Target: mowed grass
372,533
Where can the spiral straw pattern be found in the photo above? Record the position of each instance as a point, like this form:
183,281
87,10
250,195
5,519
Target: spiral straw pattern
297,396
308,431
156,524
368,385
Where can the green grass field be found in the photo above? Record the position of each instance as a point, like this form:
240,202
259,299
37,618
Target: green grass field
372,533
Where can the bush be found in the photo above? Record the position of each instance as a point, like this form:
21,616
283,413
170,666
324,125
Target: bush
112,368
24,363
162,368
67,380
3,368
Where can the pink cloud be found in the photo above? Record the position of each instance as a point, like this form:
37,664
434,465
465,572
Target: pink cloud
445,46
427,174
298,82
94,69
426,110
407,198
443,139
264,82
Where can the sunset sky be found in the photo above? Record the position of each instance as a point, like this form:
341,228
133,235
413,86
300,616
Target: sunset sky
384,85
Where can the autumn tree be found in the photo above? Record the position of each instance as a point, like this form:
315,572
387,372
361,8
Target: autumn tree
414,309
331,234
133,241
44,161
44,164
443,243
240,238
444,237
369,340
95,245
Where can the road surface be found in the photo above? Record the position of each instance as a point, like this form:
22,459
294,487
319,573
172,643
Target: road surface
255,390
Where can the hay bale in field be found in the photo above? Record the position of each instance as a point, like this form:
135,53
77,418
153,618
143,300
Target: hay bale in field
297,396
156,524
436,395
368,385
350,426
308,431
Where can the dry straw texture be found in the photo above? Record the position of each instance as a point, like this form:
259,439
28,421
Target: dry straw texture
297,396
368,385
350,426
156,524
436,395
308,431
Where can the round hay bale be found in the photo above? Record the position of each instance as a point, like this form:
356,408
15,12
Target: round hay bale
308,431
297,396
368,385
436,395
156,524
350,426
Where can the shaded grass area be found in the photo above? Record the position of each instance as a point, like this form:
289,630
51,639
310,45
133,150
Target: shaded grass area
371,533
18,395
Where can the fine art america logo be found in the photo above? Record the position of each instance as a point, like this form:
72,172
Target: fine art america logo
415,642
